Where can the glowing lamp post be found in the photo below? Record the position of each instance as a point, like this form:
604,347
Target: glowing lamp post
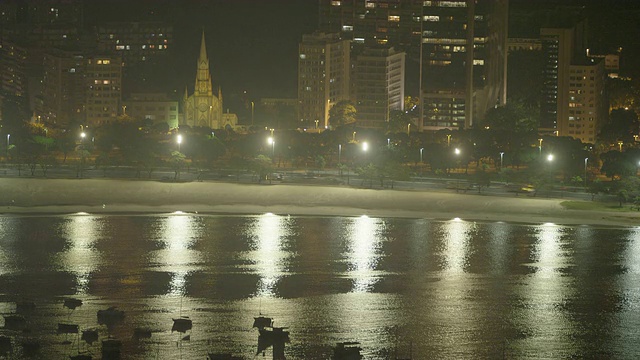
272,142
179,141
501,157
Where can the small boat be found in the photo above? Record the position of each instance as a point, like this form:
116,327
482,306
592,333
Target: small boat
142,333
89,336
111,348
25,306
67,328
80,357
275,334
347,351
72,303
182,324
30,347
5,344
223,357
14,322
110,316
262,322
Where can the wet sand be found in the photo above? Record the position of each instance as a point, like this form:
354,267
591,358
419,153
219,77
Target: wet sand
61,196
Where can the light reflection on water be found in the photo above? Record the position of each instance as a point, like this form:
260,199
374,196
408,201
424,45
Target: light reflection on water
450,289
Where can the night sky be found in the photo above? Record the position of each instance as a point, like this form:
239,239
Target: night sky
252,44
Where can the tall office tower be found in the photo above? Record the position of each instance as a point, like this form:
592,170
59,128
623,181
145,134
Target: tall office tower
464,50
586,108
103,89
459,49
560,48
373,22
63,89
378,86
13,78
323,76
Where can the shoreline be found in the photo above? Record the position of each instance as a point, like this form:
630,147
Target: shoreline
112,197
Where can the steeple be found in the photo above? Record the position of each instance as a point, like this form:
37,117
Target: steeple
203,49
203,75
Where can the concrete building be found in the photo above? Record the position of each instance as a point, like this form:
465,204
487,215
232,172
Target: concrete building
64,89
459,48
560,47
529,44
323,76
137,42
586,107
378,86
464,61
156,107
103,89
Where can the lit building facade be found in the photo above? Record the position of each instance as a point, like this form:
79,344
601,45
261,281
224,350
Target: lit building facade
460,47
103,89
586,107
464,52
203,108
378,86
560,48
156,107
137,42
323,76
64,89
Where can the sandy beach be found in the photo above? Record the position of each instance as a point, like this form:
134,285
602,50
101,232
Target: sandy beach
60,196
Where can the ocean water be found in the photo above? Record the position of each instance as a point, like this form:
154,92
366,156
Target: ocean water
407,287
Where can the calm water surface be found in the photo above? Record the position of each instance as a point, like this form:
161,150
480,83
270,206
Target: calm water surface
440,289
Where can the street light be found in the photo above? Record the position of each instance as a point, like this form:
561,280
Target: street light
620,145
457,151
8,137
388,142
585,172
179,141
354,137
448,140
365,146
272,142
421,150
501,156
339,153
540,146
550,157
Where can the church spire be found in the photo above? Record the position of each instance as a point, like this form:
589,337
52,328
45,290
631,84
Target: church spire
203,49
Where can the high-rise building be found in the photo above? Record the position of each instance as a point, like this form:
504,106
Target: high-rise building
64,89
203,108
586,107
560,48
459,49
378,86
103,89
323,76
464,49
373,22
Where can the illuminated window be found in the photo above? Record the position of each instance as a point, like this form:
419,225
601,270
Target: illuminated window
335,3
432,18
347,28
478,62
106,82
359,40
394,18
370,5
303,56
